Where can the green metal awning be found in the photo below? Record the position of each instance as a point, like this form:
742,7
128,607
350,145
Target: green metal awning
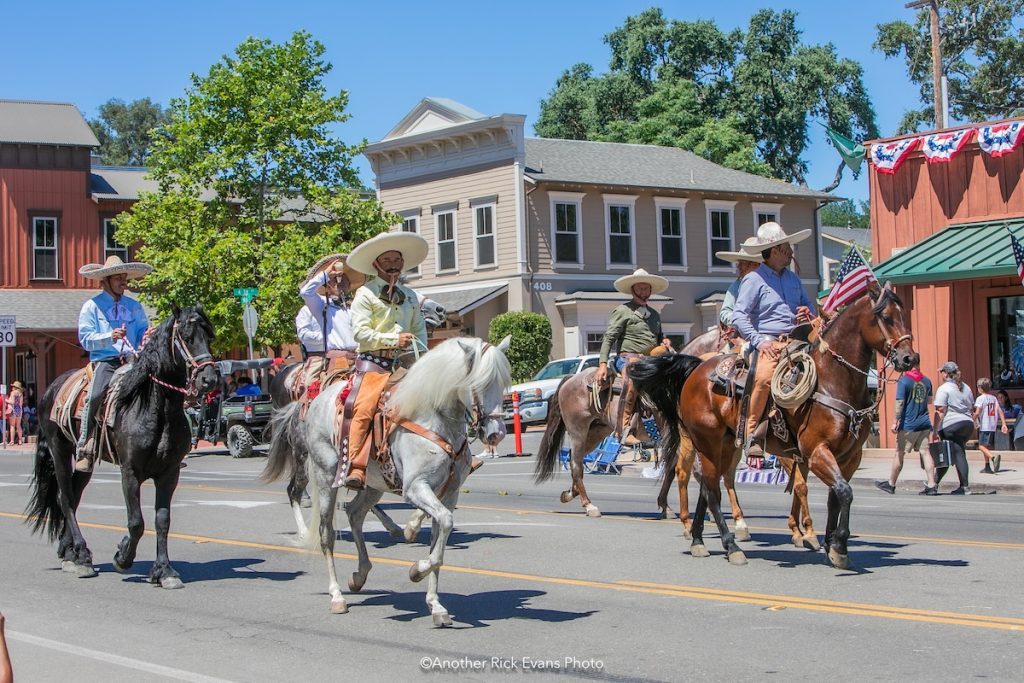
960,252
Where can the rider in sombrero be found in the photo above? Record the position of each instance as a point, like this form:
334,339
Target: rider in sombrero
635,329
386,320
110,327
770,304
745,263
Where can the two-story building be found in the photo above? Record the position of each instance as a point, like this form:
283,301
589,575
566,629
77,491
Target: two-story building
544,225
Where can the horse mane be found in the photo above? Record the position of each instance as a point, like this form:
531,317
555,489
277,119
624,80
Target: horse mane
446,374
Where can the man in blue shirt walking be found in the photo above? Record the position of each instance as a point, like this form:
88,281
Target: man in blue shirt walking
110,327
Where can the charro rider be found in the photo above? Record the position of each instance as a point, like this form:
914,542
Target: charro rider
770,303
745,263
635,329
326,293
110,327
385,320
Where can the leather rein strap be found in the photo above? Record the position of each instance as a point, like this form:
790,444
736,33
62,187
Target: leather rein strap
433,437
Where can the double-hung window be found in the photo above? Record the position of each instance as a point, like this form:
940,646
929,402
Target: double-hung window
765,213
44,247
721,236
619,224
566,228
411,223
671,214
446,251
111,247
485,245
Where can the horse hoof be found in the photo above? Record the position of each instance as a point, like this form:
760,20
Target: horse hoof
339,606
171,583
742,533
798,541
415,575
121,568
699,551
82,571
355,583
664,514
565,497
838,560
737,558
441,619
410,534
592,511
811,543
687,535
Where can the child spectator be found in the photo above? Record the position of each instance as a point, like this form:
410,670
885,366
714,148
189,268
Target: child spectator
986,410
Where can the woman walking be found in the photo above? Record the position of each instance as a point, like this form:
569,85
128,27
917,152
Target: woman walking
953,421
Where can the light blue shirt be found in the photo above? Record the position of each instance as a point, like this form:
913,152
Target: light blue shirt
97,320
729,303
767,303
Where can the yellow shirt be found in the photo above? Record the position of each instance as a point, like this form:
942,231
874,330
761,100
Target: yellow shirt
377,323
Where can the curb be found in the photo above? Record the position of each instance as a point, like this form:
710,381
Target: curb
915,485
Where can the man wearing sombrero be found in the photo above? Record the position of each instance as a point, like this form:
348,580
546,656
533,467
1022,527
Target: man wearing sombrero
110,328
770,303
745,263
386,318
326,293
635,329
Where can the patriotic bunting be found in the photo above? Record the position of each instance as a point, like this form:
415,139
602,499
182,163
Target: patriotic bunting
944,146
1001,138
888,156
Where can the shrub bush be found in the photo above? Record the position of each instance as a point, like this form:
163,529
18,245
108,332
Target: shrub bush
530,346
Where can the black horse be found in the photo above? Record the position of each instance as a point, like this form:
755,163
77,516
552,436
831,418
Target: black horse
150,437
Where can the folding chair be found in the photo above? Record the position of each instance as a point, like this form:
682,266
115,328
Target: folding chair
607,452
588,460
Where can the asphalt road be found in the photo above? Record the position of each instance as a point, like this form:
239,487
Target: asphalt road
534,587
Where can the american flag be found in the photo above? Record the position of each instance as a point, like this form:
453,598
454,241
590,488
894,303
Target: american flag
1018,256
852,280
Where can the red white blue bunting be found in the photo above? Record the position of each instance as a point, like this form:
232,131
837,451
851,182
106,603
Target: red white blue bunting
888,156
1001,138
940,147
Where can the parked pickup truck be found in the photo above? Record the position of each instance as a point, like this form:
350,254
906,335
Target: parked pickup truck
534,395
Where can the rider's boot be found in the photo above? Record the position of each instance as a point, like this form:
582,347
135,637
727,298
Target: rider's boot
356,478
85,449
626,413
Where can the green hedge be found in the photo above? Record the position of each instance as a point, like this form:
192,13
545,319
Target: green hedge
530,347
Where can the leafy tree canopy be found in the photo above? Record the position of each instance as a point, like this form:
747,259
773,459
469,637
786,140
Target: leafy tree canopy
125,131
740,99
848,213
253,189
982,58
530,345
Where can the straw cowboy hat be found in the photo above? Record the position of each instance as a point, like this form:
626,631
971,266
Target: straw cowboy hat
115,266
17,385
412,246
640,276
771,235
334,265
744,254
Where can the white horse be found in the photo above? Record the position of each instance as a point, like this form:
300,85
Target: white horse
461,380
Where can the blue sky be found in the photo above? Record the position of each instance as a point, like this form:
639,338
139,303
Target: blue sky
493,57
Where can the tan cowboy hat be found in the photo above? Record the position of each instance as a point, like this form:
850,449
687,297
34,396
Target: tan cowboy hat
640,276
746,252
333,265
17,385
412,246
115,266
771,235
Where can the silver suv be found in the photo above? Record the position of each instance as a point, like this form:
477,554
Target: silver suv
534,395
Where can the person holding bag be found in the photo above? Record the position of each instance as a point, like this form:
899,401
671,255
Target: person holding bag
953,422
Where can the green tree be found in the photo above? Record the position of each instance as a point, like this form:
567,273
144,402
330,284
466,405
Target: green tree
530,345
253,189
847,214
982,59
677,83
125,131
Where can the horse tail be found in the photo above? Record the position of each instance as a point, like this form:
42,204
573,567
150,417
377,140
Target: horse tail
547,452
283,443
660,380
43,508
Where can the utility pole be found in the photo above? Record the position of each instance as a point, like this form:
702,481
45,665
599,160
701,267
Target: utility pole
933,6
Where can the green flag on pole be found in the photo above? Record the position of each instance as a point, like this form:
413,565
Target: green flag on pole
852,152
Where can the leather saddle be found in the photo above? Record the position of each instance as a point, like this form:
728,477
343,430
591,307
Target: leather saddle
730,376
68,408
379,429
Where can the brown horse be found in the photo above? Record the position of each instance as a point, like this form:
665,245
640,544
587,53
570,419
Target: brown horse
830,428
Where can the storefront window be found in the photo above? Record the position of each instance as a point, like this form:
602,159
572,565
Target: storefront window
1005,324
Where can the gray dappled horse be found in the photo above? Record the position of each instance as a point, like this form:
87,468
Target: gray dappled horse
459,379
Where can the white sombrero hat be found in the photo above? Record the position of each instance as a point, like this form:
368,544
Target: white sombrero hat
412,246
334,264
771,235
746,252
640,276
115,266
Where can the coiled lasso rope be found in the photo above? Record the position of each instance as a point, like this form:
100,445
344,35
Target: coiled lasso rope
788,394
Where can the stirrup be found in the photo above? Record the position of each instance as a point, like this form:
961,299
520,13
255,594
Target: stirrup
354,482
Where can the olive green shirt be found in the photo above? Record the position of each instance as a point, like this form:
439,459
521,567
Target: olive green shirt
630,333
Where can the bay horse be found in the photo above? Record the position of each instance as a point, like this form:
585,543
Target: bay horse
461,378
150,437
830,428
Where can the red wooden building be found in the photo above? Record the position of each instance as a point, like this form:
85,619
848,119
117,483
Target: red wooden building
941,230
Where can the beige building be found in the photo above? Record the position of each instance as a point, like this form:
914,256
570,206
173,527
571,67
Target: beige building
517,223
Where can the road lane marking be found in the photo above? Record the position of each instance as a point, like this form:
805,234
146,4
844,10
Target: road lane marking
672,590
127,662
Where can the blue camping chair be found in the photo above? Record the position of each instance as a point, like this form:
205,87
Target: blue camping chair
607,452
588,460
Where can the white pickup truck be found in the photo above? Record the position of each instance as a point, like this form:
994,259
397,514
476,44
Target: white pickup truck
534,395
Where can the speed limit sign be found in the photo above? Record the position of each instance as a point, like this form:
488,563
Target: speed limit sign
8,335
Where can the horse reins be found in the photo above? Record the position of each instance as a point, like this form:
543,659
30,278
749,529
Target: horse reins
196,363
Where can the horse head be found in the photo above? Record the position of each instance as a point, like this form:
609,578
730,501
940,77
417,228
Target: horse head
486,395
191,335
433,313
888,332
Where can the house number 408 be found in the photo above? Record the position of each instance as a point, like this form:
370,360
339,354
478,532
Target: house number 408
542,286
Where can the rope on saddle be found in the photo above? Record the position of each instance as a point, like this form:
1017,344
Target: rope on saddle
794,380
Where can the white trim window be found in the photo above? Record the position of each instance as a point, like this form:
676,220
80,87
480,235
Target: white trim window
411,223
619,228
447,252
111,247
566,228
765,213
485,250
44,247
671,232
721,235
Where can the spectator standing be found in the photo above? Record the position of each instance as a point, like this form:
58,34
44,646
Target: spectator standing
986,414
14,409
954,421
911,425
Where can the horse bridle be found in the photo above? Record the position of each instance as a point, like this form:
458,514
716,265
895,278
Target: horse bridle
195,363
477,418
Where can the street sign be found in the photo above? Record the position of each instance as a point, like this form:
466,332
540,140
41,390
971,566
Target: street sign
250,320
8,333
246,294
